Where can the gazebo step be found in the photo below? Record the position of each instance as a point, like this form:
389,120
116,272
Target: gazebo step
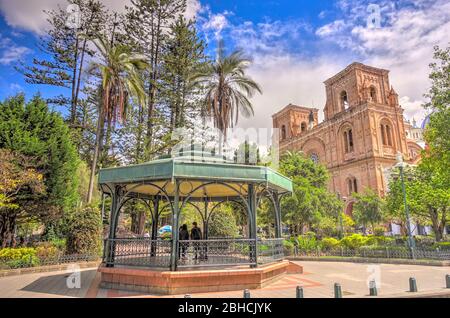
198,281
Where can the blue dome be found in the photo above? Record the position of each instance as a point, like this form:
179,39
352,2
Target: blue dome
426,122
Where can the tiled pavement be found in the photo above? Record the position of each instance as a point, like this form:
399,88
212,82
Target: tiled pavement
317,281
47,285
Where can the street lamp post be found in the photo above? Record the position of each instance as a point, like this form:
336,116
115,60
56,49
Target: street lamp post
401,165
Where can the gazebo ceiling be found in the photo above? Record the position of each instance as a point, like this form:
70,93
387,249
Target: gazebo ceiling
219,179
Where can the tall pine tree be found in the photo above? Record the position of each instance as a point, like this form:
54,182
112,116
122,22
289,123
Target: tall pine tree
147,24
65,53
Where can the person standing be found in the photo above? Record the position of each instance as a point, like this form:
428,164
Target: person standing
196,235
184,236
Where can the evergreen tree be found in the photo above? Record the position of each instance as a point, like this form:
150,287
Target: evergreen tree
147,24
183,54
33,130
66,52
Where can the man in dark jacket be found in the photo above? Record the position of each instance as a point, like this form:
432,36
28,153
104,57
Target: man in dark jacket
184,236
196,235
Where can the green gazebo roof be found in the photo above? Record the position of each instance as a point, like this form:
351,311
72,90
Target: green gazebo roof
193,169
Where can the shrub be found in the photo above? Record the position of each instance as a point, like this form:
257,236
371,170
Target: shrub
442,245
85,230
357,240
288,247
354,241
379,231
308,243
19,257
25,261
47,251
59,244
223,224
422,240
310,234
329,243
384,240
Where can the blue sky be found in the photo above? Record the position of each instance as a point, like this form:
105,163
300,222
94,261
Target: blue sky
295,44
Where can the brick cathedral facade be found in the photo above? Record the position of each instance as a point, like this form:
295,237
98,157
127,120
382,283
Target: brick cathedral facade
363,130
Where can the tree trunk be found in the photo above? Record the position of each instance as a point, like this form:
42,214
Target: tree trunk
153,80
78,86
73,110
434,216
98,138
7,230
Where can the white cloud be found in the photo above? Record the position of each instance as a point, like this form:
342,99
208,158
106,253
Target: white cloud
331,28
217,23
270,37
213,24
193,9
10,52
286,79
283,72
404,43
29,14
413,108
15,87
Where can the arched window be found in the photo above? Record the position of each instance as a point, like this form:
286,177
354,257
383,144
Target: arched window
348,140
283,132
389,135
304,127
352,185
344,100
383,135
373,94
386,134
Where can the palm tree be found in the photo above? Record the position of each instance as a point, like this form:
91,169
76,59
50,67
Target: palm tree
228,89
121,73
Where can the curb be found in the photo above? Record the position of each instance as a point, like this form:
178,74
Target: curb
371,260
444,293
46,269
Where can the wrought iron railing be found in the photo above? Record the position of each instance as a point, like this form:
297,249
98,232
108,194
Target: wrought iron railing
217,252
142,252
394,252
270,250
57,259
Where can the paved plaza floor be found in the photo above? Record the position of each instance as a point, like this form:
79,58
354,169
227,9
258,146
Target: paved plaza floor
317,280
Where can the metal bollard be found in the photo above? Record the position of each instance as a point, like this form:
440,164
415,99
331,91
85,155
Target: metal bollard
412,285
337,291
373,288
247,293
299,292
187,296
447,281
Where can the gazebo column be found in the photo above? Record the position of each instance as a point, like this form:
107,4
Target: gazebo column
205,221
175,226
114,216
252,198
277,204
155,221
206,227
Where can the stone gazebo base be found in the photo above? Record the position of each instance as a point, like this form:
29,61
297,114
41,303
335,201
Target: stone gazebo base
198,281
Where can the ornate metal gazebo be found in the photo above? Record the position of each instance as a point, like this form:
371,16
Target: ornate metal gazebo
192,177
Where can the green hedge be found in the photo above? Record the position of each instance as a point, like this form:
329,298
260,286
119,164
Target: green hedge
18,257
442,245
